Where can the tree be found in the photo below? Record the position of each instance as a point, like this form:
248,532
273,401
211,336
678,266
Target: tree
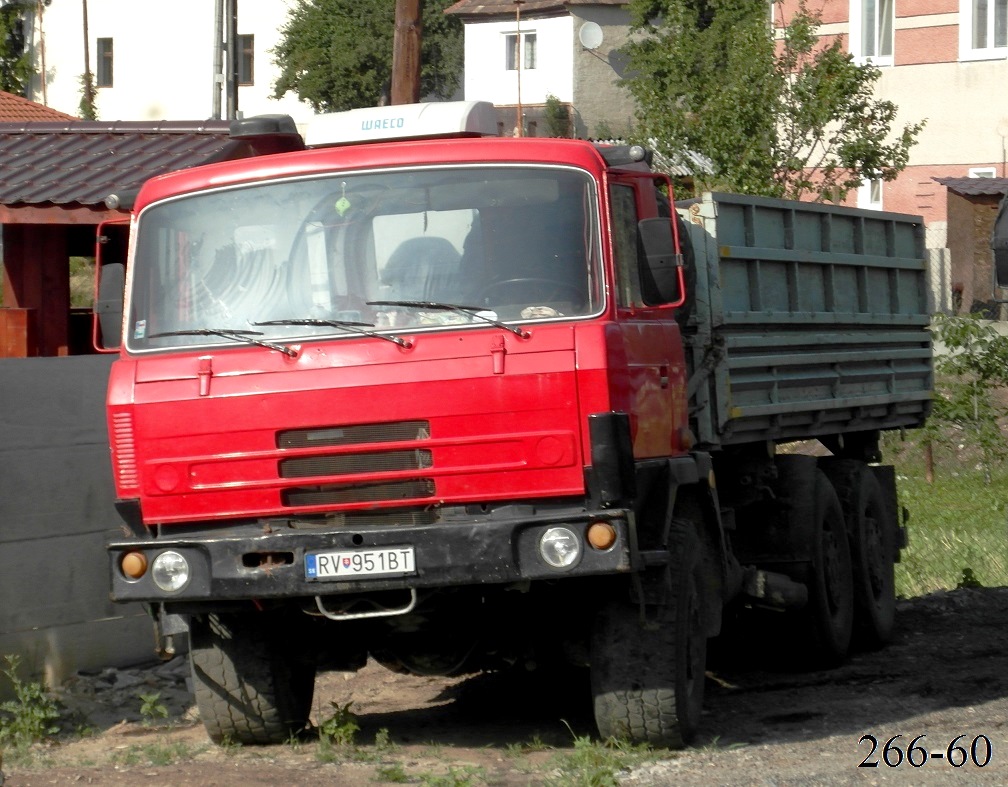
794,117
16,69
337,54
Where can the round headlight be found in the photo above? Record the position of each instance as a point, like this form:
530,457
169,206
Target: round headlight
560,547
170,571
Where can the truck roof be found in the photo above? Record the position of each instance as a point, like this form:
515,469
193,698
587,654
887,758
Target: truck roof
379,155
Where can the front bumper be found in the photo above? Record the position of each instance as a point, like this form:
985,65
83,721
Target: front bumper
268,562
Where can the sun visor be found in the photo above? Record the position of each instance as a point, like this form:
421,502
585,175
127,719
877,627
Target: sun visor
402,121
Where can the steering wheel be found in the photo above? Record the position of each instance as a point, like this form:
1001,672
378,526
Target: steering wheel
542,290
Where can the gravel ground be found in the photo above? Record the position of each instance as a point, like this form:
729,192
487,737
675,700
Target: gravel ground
943,676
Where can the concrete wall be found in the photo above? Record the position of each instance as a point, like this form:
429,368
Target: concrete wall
603,104
56,511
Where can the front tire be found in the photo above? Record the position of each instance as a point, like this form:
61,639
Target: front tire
252,678
648,679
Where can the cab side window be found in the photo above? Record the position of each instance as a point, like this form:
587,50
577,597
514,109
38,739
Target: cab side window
625,250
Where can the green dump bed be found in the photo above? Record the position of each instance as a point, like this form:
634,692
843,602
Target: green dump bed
809,320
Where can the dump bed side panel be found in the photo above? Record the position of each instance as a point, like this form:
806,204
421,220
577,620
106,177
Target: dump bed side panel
810,320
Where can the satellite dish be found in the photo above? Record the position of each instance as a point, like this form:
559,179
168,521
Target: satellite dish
590,35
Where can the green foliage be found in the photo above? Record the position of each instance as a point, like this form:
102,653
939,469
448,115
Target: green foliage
956,528
16,69
393,773
160,753
782,119
82,281
337,54
557,117
86,109
152,709
463,776
341,727
973,365
597,764
32,715
603,131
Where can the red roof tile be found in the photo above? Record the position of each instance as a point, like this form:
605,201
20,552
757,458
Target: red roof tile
975,187
82,162
14,108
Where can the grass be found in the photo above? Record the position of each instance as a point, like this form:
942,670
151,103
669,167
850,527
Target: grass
958,525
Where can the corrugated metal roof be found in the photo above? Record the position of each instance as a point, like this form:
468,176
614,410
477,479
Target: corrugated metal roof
528,7
16,108
82,162
975,187
687,165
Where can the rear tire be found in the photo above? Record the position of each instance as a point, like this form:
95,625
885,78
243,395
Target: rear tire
252,677
648,680
829,617
873,550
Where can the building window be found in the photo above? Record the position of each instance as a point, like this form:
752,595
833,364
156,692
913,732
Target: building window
870,194
871,35
520,48
983,28
246,59
104,76
982,172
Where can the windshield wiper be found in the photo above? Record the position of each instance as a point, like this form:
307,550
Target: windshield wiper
472,311
236,335
347,325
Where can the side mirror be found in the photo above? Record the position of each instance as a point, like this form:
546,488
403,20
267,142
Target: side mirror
108,306
999,243
661,268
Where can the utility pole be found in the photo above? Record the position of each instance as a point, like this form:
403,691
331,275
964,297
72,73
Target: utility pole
231,80
519,62
406,51
218,60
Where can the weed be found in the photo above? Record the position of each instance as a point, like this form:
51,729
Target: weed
536,744
464,776
152,709
393,773
341,727
956,521
597,764
32,715
382,741
160,753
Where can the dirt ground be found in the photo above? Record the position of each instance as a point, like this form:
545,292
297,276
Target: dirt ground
944,675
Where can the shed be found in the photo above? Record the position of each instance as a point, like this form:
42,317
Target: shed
972,207
56,492
54,178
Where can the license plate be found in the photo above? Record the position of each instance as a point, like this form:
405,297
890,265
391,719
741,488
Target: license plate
385,562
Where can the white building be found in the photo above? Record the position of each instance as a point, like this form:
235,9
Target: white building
155,60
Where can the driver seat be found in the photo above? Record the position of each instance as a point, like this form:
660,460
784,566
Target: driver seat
425,268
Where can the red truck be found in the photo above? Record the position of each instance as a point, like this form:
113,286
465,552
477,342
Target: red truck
403,389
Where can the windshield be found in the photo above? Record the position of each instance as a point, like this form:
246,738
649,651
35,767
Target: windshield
356,254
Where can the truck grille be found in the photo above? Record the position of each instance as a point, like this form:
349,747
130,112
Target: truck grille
322,437
367,460
381,491
346,464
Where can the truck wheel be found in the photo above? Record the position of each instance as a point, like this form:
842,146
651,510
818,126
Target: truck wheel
829,617
872,550
648,680
252,678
